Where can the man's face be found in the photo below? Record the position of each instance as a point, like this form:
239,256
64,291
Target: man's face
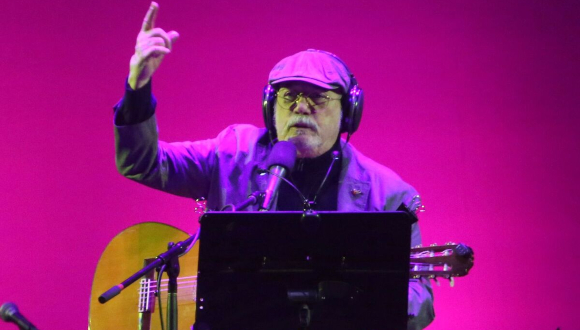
312,123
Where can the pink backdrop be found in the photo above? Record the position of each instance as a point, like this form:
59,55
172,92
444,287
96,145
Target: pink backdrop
474,103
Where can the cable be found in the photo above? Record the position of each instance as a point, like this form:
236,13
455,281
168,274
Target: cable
335,156
158,293
304,199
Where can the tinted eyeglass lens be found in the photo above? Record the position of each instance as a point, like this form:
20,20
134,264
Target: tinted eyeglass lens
287,98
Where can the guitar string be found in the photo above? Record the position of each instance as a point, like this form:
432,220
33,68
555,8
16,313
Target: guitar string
185,294
179,283
179,278
185,287
177,291
179,286
165,282
424,254
165,290
427,264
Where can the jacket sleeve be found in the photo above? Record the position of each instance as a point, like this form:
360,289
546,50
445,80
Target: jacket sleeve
183,168
420,300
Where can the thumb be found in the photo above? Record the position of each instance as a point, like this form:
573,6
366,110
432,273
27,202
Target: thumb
173,36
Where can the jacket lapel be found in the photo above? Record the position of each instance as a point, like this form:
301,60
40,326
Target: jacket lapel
354,184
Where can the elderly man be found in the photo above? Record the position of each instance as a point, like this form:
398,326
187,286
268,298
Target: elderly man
311,98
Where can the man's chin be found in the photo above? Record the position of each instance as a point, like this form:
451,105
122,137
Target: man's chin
301,139
305,143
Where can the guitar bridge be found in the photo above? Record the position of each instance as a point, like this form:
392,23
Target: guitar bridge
145,295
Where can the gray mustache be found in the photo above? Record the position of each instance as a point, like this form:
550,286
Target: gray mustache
303,121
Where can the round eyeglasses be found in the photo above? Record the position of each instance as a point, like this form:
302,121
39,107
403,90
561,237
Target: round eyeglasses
288,98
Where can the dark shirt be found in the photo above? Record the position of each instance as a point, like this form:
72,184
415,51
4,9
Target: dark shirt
307,176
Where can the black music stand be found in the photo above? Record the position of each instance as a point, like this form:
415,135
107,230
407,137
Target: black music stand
280,270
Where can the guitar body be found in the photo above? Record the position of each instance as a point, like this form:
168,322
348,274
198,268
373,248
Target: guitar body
135,307
128,252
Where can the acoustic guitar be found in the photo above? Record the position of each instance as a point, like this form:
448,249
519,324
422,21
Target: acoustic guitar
137,245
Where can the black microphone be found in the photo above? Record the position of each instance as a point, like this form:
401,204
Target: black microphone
280,161
9,313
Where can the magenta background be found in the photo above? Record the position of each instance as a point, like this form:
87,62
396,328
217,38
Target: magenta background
474,103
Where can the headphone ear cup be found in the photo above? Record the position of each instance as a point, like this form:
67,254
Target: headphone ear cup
357,101
352,110
268,99
346,115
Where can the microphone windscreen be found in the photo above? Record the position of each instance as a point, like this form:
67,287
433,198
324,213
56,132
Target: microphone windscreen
283,154
7,310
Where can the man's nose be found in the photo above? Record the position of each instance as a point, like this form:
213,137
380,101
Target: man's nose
301,106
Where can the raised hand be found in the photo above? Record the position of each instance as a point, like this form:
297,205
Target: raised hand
152,45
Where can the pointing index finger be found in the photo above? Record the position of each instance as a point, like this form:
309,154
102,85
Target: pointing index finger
149,20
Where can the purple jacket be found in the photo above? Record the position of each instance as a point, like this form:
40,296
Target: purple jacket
223,170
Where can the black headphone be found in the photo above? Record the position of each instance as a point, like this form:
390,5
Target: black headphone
352,106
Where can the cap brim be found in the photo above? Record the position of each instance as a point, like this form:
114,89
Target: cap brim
305,79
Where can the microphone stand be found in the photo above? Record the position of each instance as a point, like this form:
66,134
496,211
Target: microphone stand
172,269
255,198
169,262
